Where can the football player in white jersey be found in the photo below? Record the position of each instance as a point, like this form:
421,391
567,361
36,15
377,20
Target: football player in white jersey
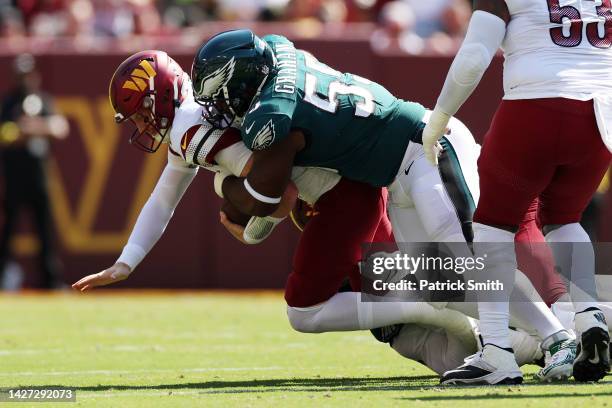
549,139
152,91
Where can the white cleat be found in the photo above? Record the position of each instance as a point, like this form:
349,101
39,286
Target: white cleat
561,349
492,365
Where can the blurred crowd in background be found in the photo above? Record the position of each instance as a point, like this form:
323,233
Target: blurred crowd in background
408,25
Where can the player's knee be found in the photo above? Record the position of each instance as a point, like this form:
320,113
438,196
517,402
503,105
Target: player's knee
573,232
546,229
303,320
496,243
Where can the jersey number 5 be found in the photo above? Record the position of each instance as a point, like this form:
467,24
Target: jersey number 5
568,13
363,108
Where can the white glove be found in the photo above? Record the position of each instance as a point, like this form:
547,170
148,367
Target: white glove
259,228
434,130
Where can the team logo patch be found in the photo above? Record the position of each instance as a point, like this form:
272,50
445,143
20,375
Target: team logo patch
212,85
264,137
140,77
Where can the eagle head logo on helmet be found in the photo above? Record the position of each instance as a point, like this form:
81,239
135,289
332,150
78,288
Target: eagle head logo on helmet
146,89
213,84
229,71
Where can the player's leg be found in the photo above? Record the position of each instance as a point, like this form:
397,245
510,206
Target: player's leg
330,246
442,350
329,250
423,189
452,188
434,347
584,164
511,176
43,221
12,202
535,259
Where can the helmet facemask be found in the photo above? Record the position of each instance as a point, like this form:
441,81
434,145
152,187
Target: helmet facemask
150,131
227,86
146,89
218,112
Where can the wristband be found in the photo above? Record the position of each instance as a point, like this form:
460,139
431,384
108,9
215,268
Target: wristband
260,197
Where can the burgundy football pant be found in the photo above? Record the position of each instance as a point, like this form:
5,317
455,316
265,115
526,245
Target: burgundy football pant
546,148
330,247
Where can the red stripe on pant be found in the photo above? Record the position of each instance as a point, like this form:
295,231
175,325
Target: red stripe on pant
535,258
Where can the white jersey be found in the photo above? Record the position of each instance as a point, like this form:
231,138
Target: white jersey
558,48
194,143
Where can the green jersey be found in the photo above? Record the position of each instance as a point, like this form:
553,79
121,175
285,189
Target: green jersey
352,125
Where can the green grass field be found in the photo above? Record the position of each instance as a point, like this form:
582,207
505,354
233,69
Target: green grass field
220,349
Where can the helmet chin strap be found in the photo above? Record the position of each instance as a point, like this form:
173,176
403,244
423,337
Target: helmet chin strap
152,94
227,98
258,91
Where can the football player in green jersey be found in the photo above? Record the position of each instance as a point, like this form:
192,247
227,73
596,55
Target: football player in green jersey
295,110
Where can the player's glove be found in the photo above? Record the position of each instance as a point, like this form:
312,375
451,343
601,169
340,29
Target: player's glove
434,130
259,228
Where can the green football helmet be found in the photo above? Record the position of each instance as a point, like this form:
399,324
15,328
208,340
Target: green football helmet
228,72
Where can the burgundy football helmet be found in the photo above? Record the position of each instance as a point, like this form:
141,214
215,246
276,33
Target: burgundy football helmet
146,88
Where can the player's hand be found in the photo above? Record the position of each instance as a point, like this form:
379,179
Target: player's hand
115,273
434,130
235,229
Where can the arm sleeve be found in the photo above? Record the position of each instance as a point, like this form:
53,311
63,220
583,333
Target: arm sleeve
484,36
157,212
234,158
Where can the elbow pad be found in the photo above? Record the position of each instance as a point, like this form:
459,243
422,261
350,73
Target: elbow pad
484,36
470,64
259,228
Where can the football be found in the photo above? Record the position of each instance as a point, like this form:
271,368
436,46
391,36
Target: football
233,214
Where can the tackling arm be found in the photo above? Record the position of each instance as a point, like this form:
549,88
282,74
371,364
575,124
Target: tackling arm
484,36
260,193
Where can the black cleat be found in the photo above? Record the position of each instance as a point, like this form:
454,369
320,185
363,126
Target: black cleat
492,365
593,352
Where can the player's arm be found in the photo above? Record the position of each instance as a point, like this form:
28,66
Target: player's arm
484,36
150,225
260,193
237,160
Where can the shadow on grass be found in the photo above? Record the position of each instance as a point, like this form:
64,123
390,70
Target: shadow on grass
517,395
363,384
284,384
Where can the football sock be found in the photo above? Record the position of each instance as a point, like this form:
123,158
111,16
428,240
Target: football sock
496,246
575,259
528,308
